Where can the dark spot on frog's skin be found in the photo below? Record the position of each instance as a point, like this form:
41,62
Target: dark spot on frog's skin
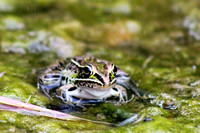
63,78
56,76
120,75
40,80
69,68
99,77
79,61
115,89
56,68
61,64
72,89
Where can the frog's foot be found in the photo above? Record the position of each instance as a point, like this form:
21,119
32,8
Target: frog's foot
64,93
44,89
120,91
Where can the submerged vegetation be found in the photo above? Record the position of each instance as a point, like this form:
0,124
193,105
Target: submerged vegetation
156,42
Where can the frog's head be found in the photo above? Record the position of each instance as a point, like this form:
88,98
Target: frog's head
95,74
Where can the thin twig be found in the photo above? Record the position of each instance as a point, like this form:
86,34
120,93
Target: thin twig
8,104
147,61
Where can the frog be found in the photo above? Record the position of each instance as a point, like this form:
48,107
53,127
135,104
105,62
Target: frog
85,80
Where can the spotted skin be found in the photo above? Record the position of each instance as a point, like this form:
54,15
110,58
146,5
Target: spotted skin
85,80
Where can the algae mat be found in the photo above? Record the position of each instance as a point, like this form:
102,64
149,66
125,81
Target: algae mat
156,42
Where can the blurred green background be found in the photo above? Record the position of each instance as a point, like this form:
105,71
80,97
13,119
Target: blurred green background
156,41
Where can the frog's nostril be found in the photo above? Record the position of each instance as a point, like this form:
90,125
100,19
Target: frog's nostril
106,81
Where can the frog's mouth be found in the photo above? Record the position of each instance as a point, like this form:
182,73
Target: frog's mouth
92,83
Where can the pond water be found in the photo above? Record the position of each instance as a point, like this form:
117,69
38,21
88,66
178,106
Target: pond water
156,42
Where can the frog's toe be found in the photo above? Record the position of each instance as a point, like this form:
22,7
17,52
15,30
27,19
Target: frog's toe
44,89
67,94
65,97
123,97
121,93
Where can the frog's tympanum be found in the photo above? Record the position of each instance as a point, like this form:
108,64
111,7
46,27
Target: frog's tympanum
82,80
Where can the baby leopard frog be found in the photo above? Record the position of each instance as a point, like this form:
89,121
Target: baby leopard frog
85,80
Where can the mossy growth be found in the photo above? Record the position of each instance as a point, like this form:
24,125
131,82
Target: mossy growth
162,58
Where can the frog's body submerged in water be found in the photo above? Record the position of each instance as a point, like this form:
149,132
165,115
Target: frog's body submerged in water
85,79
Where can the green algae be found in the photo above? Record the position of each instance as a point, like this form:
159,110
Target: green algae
159,124
107,112
15,85
40,124
162,57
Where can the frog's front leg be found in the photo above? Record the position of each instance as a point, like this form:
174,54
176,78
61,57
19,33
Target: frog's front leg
69,93
65,93
120,91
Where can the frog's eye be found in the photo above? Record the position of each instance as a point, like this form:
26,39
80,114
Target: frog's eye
88,70
114,69
113,72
